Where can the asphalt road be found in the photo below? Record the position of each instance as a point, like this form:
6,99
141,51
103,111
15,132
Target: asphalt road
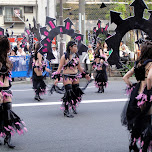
96,127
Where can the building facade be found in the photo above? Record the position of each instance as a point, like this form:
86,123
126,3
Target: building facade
21,12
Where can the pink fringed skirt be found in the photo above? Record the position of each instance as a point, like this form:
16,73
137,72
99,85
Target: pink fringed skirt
9,120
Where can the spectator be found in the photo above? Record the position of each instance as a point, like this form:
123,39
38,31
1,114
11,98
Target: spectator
124,52
22,58
90,47
86,61
91,58
13,59
105,49
55,62
20,52
12,53
26,49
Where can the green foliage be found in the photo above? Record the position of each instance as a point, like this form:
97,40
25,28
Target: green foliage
103,37
129,1
146,13
87,42
122,8
93,12
125,70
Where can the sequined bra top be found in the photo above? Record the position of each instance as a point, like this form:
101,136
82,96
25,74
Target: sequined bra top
140,71
37,66
73,62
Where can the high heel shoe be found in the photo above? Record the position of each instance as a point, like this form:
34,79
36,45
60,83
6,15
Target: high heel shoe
67,114
103,90
37,98
7,141
40,98
99,90
74,111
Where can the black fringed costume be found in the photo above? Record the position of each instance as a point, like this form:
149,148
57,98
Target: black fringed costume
101,79
9,121
73,94
72,97
135,113
38,83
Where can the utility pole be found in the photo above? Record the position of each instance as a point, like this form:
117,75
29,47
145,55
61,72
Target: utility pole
48,7
82,27
61,23
36,11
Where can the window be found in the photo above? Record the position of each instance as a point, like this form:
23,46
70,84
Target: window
28,9
13,11
1,11
13,14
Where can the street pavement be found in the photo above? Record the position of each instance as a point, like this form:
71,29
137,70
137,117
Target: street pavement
96,127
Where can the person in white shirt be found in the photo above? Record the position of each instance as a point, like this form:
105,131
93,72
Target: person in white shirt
124,52
21,58
87,61
55,62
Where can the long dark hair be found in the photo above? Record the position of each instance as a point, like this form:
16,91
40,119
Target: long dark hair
4,50
146,52
36,48
96,51
70,44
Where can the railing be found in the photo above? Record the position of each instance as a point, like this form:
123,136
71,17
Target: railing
21,67
114,72
12,19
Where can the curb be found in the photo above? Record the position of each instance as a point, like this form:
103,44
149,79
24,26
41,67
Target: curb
28,81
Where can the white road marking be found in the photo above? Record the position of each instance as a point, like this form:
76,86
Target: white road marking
22,90
59,103
33,89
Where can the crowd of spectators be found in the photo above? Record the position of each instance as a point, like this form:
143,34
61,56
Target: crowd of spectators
18,57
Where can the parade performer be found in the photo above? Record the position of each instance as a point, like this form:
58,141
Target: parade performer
9,121
137,113
100,65
39,66
70,64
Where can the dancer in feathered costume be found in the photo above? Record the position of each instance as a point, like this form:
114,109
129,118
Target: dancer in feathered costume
137,113
70,64
100,65
9,121
39,66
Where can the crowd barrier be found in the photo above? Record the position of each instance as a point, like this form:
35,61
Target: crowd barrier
21,67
